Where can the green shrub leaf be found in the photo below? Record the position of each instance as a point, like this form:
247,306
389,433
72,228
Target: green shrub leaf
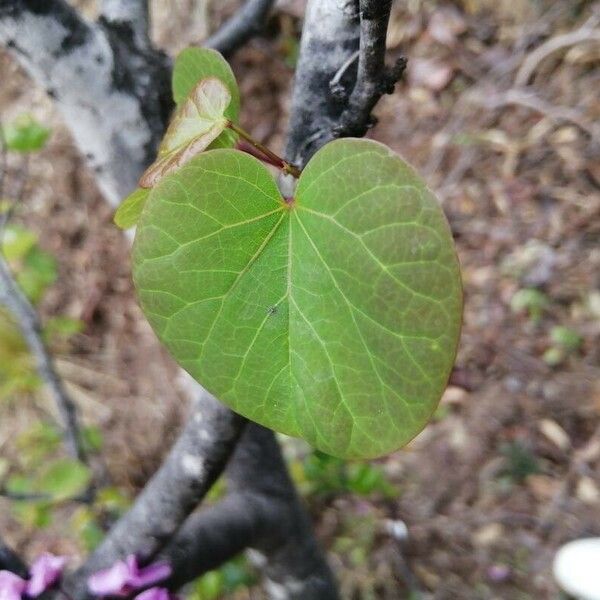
63,479
25,134
334,317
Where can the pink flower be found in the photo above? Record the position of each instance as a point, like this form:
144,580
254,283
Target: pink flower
11,586
156,593
44,573
498,573
126,576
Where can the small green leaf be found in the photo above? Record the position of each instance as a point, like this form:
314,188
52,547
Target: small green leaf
19,484
128,213
554,356
37,443
64,479
38,272
113,500
334,317
198,121
194,64
84,523
566,338
92,439
531,300
35,515
17,242
61,327
25,134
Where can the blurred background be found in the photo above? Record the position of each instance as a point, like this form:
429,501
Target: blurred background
500,112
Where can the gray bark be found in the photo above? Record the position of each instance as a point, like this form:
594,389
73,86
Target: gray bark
330,38
194,463
132,14
113,95
262,511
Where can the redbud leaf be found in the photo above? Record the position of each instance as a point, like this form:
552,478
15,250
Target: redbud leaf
194,64
334,317
197,122
129,211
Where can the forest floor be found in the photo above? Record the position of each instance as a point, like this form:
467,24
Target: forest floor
500,113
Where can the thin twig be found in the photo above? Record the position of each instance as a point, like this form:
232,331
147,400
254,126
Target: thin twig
335,85
274,159
85,498
586,33
530,100
27,320
247,22
3,165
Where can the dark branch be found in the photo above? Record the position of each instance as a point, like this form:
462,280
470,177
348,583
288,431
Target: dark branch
322,109
373,79
213,536
27,320
192,466
330,39
247,22
10,561
262,511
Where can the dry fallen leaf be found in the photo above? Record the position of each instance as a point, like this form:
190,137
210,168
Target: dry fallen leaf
445,25
429,73
555,433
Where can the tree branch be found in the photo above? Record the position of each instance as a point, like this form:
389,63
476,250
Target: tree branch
321,111
190,469
330,38
28,322
373,79
132,14
124,121
261,511
247,22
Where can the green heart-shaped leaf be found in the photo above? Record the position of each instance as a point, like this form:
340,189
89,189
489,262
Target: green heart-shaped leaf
198,121
334,317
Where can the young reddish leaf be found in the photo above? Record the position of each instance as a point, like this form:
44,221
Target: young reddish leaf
198,121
